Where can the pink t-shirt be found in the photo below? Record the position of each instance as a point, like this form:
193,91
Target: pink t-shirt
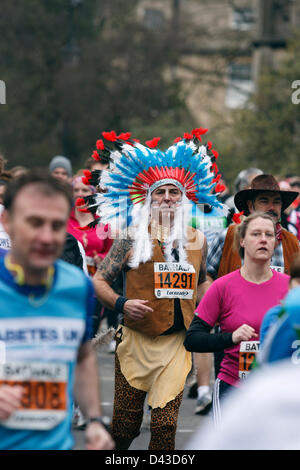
94,241
232,301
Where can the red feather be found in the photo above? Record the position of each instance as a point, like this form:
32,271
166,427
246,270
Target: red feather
187,136
87,174
214,168
152,143
96,156
124,136
199,131
100,144
219,188
111,136
197,134
237,217
79,202
217,178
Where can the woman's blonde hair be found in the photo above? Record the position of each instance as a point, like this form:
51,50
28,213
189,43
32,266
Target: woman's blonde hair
241,229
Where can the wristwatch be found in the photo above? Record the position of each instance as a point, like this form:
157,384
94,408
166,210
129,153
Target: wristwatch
98,419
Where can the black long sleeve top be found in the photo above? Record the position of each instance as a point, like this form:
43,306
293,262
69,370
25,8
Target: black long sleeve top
199,339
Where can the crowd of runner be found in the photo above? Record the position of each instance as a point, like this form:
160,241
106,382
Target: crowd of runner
193,281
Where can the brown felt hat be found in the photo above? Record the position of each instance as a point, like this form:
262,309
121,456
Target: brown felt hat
263,184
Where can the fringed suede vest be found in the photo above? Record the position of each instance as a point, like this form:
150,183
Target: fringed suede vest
231,260
140,285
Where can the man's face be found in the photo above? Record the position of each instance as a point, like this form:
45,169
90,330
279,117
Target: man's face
268,202
164,200
60,174
37,228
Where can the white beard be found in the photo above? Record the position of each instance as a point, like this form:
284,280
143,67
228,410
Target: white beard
142,242
178,237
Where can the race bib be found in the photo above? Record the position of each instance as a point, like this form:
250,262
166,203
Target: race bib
91,265
44,402
247,354
174,280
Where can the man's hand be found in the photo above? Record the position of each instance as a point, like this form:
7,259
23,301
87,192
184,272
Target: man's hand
243,333
136,309
10,400
97,438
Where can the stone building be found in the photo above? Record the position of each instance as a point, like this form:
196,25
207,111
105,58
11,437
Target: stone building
222,47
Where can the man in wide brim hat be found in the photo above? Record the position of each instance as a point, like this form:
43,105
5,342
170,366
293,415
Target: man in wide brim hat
263,184
264,195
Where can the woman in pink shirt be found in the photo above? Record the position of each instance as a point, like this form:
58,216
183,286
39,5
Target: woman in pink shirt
95,241
238,302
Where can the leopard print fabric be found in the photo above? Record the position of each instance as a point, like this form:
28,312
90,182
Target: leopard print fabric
163,425
128,407
128,416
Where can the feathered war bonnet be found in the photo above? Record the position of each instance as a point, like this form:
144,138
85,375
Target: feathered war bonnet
136,170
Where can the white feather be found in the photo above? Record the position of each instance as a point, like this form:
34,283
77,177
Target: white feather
142,244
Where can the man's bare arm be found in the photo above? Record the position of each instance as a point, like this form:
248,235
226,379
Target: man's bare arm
87,395
115,260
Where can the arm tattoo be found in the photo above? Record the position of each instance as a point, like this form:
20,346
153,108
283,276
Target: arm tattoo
115,260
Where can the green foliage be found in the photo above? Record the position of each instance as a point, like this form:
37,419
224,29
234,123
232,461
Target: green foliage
266,134
71,72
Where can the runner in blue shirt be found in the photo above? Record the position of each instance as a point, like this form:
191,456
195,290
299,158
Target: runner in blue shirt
45,325
279,334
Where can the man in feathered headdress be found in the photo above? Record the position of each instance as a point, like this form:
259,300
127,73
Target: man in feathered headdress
162,259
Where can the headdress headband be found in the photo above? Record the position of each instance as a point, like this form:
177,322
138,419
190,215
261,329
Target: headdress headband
136,170
166,181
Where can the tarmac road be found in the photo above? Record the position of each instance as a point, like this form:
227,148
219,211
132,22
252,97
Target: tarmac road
187,421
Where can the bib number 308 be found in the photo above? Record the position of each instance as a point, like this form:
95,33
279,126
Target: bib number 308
44,400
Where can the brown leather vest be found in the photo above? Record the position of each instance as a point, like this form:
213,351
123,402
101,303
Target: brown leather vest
140,285
231,260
